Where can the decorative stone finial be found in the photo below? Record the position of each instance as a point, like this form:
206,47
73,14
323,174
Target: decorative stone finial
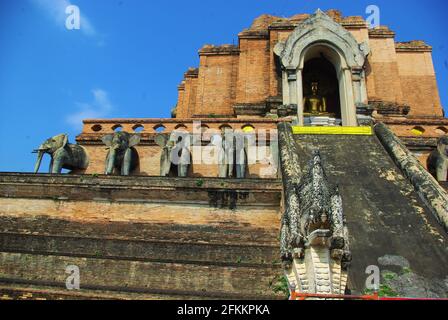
315,244
319,12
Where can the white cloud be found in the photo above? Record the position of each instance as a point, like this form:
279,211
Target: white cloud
100,107
56,10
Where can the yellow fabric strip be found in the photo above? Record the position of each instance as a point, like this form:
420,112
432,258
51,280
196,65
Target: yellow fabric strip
363,131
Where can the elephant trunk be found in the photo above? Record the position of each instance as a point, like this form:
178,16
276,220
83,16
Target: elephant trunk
40,155
110,163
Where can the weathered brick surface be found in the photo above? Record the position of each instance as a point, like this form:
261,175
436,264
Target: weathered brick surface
156,237
431,129
216,84
29,292
138,212
129,249
421,94
180,111
221,235
187,94
254,77
136,276
361,34
384,70
418,82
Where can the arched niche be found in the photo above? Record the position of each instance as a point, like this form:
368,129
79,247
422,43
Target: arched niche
320,36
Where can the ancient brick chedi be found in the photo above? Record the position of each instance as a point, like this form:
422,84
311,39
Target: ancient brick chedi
295,161
249,74
258,78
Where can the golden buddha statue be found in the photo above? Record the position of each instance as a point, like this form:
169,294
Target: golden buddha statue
315,104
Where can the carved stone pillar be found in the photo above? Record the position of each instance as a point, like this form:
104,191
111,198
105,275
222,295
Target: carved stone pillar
348,109
292,79
285,87
357,74
299,83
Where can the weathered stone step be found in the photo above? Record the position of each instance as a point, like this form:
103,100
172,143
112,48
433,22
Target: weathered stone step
384,213
29,292
205,234
141,277
139,250
142,237
205,191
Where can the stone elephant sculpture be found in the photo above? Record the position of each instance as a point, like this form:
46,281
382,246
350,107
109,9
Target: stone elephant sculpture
226,152
242,142
232,154
175,151
438,160
167,146
122,155
63,155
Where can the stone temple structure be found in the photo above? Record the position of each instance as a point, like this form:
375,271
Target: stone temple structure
293,162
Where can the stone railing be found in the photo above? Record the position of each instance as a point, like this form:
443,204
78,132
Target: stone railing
430,191
314,247
152,126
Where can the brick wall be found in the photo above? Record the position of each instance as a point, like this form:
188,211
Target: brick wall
180,101
158,237
418,83
216,91
254,77
384,71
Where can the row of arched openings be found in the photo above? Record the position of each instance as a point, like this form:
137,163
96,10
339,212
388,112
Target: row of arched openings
160,128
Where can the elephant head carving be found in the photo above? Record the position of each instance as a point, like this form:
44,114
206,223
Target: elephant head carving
242,141
122,155
226,153
438,160
63,155
163,141
175,151
232,153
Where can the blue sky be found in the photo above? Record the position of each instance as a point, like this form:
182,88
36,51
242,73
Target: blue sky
130,55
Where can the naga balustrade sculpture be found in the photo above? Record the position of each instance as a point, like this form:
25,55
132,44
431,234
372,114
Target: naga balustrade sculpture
314,238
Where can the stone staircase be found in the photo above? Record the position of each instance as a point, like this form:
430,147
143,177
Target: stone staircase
385,215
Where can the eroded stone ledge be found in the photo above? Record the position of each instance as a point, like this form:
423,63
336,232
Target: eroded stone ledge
213,192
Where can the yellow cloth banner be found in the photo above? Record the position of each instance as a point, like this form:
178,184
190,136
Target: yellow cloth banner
361,131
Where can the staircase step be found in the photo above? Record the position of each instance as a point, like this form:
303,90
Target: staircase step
140,277
222,234
155,251
29,292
